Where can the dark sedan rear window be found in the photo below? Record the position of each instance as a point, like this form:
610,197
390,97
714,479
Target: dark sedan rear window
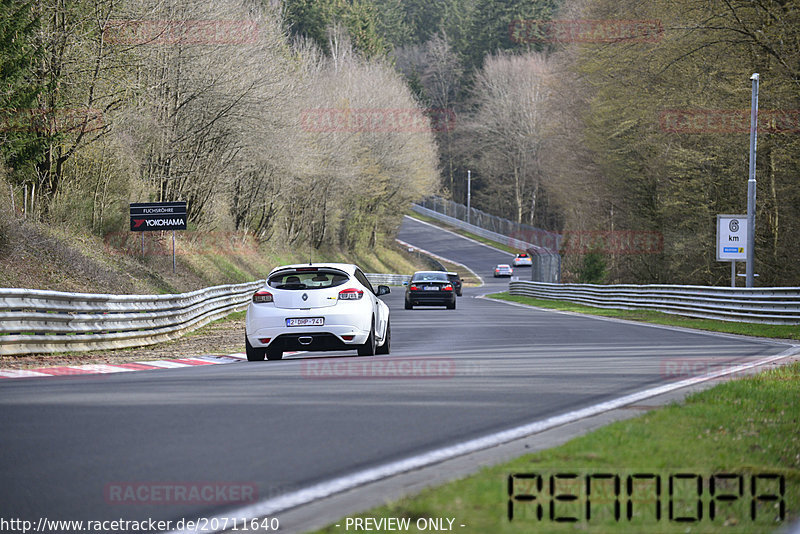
430,277
307,279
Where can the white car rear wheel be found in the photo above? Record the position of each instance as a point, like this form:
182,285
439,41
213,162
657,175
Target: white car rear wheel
386,347
274,354
253,354
369,346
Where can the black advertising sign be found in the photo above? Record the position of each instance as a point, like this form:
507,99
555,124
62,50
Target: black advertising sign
154,216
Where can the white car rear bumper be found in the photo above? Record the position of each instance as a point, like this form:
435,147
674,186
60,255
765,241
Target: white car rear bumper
266,321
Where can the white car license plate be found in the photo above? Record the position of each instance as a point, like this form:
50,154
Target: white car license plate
306,321
431,288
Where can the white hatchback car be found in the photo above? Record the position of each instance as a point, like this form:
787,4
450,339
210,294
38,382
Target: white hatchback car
317,307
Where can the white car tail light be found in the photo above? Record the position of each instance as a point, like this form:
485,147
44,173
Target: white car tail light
261,297
350,294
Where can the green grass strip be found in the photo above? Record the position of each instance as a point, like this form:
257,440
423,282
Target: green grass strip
649,316
746,428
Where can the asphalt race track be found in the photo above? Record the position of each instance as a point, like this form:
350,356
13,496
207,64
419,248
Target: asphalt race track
278,427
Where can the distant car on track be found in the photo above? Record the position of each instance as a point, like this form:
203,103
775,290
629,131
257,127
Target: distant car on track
522,260
317,307
455,279
430,288
503,269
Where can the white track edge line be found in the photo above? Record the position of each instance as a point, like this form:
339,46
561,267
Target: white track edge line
331,487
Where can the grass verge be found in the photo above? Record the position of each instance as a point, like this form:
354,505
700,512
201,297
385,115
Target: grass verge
649,316
746,427
237,316
468,278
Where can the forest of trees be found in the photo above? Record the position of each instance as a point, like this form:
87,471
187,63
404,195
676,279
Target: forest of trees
567,132
613,161
572,132
104,103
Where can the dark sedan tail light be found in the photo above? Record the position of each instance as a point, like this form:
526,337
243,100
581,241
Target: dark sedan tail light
448,287
412,287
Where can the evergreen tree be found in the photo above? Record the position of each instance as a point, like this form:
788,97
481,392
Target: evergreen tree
392,23
21,145
313,19
593,270
415,22
492,22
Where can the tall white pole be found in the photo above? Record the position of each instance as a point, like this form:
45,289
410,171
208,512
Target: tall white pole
469,193
751,185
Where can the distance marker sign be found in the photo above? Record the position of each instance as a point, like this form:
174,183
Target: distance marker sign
154,216
731,237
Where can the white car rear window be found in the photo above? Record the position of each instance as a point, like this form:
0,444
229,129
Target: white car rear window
295,279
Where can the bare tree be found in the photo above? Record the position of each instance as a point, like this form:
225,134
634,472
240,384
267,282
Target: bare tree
508,127
205,102
437,67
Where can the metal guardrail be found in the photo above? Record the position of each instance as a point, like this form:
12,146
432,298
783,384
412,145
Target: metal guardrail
40,322
387,279
37,322
768,305
497,226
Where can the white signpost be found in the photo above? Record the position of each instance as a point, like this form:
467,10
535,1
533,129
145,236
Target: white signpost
732,241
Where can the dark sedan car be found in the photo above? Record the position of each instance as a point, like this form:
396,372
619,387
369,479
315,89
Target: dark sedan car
430,288
456,281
